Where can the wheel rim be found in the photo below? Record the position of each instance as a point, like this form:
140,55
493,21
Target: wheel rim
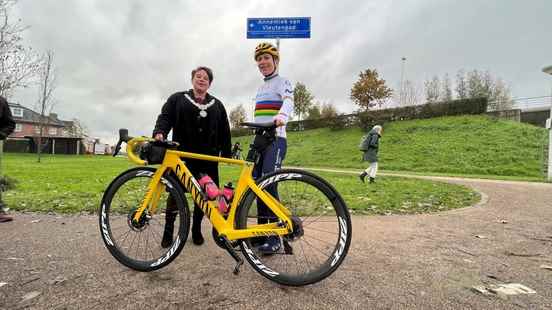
317,246
138,242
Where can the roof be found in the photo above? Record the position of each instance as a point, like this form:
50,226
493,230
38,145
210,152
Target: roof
30,116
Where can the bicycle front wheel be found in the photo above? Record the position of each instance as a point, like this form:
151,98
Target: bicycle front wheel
157,238
321,235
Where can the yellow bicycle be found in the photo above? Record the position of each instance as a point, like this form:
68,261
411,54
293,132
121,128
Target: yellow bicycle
310,218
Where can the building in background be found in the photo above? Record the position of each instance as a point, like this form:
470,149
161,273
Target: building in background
58,136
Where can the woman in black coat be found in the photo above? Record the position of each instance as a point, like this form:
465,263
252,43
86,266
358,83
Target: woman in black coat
371,153
200,125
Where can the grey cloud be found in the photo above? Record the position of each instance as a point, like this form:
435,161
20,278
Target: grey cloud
119,60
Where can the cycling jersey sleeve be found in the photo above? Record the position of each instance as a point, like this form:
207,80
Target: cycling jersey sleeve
286,92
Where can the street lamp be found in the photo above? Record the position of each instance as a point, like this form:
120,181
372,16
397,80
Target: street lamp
401,94
548,70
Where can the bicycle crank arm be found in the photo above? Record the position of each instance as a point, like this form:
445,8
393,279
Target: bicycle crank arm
235,256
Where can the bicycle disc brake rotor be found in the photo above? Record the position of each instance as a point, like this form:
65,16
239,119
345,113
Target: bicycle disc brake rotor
139,225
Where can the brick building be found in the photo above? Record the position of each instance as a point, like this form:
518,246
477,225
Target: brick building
58,136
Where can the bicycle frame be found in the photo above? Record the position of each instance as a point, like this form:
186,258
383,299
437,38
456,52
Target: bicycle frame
225,226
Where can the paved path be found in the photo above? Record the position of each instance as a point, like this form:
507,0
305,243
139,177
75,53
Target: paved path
395,262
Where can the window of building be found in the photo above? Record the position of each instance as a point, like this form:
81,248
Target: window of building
37,129
18,128
52,131
17,112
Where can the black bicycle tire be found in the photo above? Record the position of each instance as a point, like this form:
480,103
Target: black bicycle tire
345,232
105,230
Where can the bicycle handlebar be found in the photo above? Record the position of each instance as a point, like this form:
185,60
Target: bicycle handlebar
132,142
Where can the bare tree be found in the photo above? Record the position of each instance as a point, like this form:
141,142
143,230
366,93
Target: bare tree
18,63
46,101
328,110
446,93
501,97
412,95
77,129
478,84
433,89
237,116
461,87
483,84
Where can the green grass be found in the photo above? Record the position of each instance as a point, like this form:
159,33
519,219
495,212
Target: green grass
476,146
72,184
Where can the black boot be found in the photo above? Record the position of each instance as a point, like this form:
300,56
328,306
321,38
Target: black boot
170,217
197,237
362,176
372,180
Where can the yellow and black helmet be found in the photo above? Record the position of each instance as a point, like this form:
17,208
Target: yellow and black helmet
266,48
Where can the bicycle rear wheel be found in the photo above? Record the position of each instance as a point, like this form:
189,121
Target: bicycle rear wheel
322,229
138,245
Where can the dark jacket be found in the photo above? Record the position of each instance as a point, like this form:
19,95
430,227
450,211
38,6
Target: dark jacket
206,135
371,155
7,124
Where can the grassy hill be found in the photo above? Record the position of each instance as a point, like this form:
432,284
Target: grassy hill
461,145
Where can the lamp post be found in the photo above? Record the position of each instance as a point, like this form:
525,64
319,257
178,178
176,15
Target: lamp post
401,92
548,70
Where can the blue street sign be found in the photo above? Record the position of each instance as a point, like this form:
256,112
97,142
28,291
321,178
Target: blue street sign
278,28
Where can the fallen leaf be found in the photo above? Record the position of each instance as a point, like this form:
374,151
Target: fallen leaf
3,283
30,295
512,289
480,237
501,290
57,280
548,267
35,221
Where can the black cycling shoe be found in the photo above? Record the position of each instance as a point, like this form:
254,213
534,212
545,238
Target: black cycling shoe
271,246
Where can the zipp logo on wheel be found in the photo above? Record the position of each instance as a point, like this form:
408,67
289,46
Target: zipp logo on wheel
342,241
105,232
279,177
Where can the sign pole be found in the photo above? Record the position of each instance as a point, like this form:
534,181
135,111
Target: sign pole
548,70
278,44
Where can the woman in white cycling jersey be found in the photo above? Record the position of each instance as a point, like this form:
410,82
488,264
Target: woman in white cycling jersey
273,103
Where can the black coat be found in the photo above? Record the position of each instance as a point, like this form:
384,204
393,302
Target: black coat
371,155
7,124
205,135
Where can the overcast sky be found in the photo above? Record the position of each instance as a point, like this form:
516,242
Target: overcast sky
118,61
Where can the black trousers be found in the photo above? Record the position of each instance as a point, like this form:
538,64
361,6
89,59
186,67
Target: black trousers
197,168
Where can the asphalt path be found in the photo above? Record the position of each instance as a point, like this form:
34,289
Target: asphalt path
49,261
